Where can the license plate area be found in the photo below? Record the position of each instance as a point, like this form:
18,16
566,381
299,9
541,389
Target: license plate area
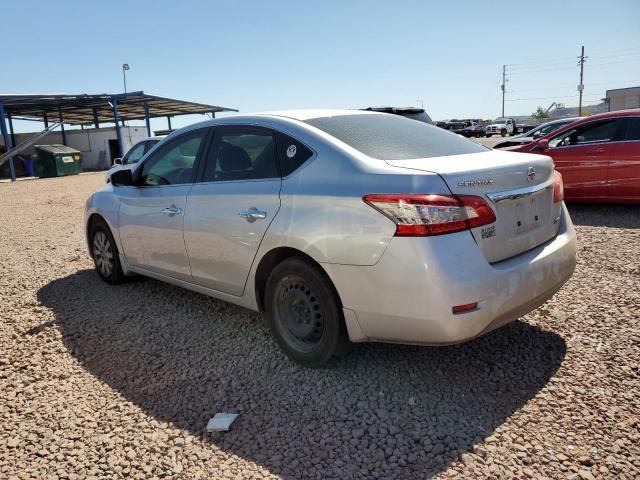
527,215
522,214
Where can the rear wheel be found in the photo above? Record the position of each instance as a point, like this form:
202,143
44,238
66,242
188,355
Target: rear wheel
304,313
105,254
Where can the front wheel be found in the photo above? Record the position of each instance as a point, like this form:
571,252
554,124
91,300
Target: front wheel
304,313
503,133
105,254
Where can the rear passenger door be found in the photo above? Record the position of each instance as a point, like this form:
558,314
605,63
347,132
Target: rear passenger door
230,208
624,165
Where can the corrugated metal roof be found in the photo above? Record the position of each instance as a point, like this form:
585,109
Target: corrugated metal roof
81,109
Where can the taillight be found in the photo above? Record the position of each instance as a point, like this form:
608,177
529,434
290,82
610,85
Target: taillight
426,215
558,187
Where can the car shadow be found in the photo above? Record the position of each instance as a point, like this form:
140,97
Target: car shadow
620,216
383,410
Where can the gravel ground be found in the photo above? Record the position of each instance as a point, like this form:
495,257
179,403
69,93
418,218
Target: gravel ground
99,381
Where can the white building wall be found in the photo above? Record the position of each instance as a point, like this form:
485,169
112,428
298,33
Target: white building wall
624,98
92,142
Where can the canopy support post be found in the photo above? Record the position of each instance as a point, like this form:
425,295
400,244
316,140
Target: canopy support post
117,122
64,134
147,119
169,121
7,141
96,123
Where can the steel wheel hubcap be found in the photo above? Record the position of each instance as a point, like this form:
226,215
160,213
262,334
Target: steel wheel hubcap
299,313
103,253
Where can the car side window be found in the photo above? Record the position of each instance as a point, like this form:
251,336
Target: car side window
596,132
135,154
633,129
174,164
291,153
149,144
241,153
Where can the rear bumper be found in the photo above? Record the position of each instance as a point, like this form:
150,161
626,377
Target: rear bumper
408,295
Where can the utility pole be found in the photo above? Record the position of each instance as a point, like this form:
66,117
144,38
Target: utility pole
581,60
504,80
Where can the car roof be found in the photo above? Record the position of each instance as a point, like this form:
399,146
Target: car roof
309,114
616,113
560,120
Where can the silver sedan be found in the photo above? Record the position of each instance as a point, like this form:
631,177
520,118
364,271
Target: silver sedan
341,226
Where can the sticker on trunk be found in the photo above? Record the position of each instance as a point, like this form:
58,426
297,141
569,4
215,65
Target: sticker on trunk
488,232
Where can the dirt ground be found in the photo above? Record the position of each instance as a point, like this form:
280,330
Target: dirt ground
98,381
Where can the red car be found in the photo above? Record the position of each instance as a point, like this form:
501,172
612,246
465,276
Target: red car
598,157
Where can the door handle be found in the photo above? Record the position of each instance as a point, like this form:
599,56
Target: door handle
252,214
171,211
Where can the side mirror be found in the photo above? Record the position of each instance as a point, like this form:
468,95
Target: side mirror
117,161
122,178
542,144
537,135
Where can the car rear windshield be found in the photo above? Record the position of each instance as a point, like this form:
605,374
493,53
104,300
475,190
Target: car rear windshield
391,137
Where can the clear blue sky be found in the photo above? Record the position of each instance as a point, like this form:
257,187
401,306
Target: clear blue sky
263,55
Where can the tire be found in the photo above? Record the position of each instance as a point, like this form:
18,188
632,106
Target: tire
503,133
304,313
105,254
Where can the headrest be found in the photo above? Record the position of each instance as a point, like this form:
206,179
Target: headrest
232,158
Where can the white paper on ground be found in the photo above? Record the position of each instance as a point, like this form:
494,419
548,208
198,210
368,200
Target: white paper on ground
221,422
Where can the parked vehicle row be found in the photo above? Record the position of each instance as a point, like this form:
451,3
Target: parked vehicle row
340,226
535,133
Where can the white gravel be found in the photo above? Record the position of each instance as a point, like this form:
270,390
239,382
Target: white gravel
99,381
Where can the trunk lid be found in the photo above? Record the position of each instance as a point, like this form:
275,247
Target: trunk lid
517,186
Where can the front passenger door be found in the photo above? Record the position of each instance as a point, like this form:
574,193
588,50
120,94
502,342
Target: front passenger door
229,211
151,216
581,155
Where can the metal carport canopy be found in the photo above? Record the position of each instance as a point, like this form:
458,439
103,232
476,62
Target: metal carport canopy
89,109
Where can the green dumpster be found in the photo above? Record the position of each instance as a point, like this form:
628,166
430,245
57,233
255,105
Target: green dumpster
57,161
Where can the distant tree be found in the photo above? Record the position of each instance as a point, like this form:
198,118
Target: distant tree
540,113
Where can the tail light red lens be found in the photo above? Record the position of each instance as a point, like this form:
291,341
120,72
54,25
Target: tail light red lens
427,215
558,187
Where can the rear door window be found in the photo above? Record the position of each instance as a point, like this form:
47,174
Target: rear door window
241,153
633,129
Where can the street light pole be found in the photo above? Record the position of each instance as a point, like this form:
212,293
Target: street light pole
125,67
